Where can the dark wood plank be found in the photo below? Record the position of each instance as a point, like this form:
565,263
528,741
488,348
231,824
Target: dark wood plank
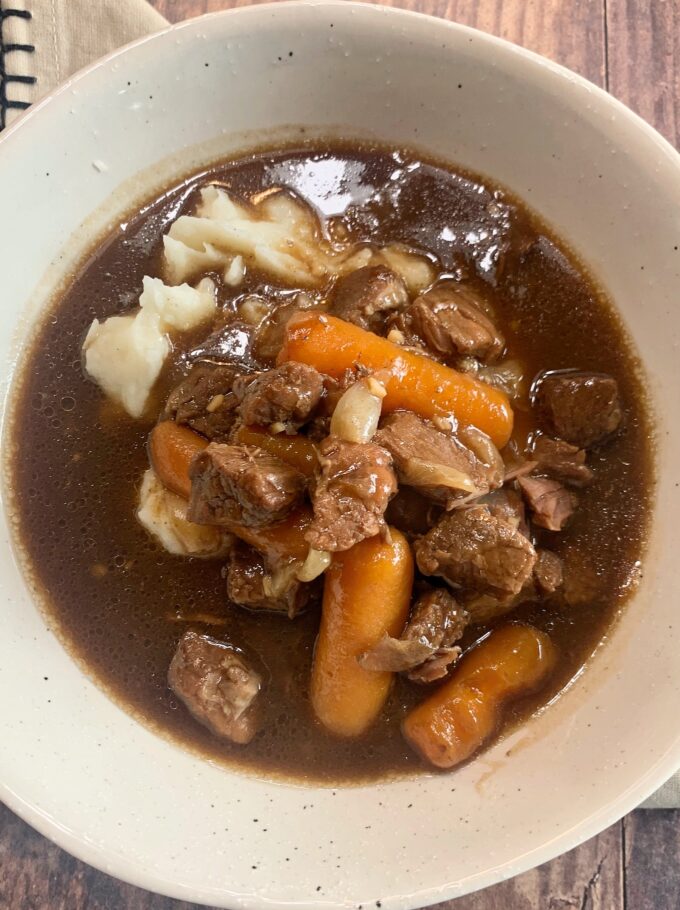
643,50
643,55
652,859
37,875
569,32
587,878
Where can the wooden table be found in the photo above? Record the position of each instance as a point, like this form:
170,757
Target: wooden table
631,48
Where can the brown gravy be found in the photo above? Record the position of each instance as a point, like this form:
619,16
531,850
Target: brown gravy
77,461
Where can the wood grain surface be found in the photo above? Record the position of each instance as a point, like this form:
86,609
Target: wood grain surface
631,47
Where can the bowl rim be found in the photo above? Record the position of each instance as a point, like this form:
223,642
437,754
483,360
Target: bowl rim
655,775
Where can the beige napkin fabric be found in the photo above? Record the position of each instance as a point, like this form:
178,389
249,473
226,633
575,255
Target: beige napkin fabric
47,40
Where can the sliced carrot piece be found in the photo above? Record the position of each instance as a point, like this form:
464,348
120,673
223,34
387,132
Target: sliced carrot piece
454,722
297,451
367,591
283,540
171,450
413,382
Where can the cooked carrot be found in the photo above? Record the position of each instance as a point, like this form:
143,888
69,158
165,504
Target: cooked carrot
283,540
454,722
367,591
415,382
171,449
297,451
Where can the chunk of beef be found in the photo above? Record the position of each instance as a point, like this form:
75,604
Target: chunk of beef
426,647
450,319
562,461
285,395
551,503
545,579
217,686
583,408
411,513
473,550
241,485
548,572
351,494
437,464
204,401
366,296
250,583
508,506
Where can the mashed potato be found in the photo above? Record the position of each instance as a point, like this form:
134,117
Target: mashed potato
163,514
279,235
125,354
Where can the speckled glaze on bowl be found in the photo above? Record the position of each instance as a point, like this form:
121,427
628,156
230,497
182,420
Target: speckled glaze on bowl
118,795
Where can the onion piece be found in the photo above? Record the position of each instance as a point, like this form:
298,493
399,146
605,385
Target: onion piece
508,377
276,583
315,564
356,415
234,272
479,443
431,474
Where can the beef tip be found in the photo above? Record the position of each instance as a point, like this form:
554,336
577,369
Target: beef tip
394,655
438,620
426,647
286,395
508,506
561,461
241,485
550,502
366,296
437,464
474,550
583,408
217,686
547,571
545,579
451,321
203,400
411,513
351,494
251,584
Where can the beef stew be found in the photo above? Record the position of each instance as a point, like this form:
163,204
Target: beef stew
367,404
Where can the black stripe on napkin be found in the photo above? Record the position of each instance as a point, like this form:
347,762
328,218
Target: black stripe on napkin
6,50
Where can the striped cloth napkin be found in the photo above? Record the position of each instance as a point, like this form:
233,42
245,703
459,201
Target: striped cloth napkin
42,42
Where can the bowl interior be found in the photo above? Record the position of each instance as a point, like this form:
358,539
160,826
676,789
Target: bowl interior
118,795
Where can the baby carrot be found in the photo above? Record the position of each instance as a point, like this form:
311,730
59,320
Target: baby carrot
454,722
415,382
171,449
367,591
297,451
283,540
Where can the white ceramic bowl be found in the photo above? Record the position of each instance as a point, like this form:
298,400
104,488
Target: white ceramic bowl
118,795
